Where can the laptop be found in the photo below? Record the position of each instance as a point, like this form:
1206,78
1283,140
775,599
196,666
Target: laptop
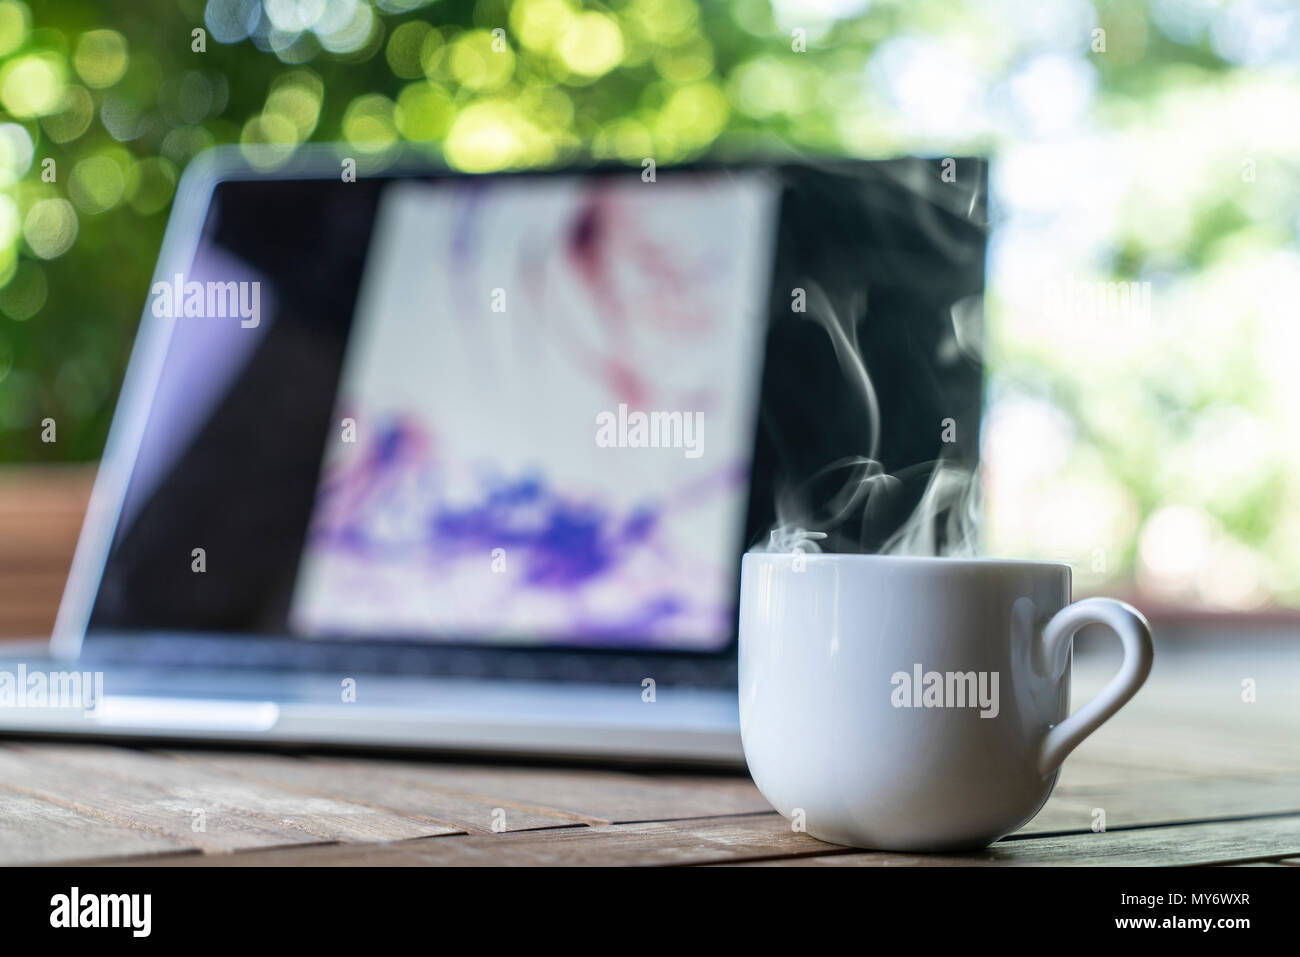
418,459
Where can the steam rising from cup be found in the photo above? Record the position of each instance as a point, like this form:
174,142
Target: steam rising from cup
944,522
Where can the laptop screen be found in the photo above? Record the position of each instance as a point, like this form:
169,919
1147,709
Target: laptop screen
546,414
529,410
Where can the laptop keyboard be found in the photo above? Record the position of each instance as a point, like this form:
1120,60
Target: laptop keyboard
187,651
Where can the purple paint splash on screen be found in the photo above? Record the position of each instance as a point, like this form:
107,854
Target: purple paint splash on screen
560,543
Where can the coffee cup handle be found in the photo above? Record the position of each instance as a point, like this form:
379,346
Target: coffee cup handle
1127,622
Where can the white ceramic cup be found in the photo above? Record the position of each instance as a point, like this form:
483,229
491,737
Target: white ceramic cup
916,704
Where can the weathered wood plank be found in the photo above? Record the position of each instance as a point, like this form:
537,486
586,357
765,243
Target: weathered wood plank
36,831
1193,753
214,812
1195,718
593,796
384,786
1089,767
1141,803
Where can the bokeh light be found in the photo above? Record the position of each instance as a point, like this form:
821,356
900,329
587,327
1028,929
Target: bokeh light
423,112
591,44
24,293
50,227
101,57
14,20
71,116
476,65
404,50
369,124
16,150
150,185
97,184
31,85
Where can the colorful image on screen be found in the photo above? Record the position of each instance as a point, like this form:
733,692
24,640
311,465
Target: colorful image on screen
546,414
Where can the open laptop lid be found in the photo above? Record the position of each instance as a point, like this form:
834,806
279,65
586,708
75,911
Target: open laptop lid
476,423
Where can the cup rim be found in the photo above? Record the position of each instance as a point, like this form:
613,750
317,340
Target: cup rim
857,557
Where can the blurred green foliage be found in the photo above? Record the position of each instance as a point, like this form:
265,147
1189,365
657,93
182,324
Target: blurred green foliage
1138,142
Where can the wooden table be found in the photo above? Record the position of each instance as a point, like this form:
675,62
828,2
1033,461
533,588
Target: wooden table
1188,773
